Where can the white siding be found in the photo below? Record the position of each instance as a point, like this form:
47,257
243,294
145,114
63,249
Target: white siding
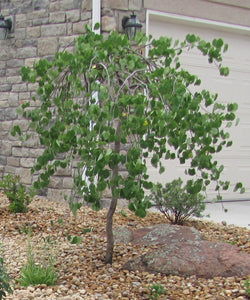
235,88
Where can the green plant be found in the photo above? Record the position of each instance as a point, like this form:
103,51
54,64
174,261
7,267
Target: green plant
176,203
105,97
41,272
86,230
123,213
247,286
156,290
74,206
5,280
27,229
74,239
16,193
60,221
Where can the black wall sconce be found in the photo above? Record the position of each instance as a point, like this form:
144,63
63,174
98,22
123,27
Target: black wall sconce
5,27
131,26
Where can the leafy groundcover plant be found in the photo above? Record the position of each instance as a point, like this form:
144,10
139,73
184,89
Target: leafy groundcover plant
16,193
5,280
176,203
42,272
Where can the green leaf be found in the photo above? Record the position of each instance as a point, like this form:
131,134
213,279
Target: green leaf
140,212
97,26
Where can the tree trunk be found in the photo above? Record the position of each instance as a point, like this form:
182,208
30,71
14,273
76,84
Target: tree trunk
112,207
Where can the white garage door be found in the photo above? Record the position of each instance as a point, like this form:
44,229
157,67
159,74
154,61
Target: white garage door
235,88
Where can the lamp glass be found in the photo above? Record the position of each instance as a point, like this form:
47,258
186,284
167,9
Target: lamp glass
131,26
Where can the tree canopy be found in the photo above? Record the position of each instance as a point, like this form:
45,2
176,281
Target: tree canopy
112,108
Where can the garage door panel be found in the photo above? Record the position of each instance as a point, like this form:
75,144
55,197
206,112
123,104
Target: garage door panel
235,88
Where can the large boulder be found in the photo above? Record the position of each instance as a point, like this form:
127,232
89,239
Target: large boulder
182,251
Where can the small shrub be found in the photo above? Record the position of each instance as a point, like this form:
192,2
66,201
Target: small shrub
5,280
42,272
156,290
16,193
176,203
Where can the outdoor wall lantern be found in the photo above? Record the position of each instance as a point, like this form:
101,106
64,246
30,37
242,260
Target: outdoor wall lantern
131,26
5,27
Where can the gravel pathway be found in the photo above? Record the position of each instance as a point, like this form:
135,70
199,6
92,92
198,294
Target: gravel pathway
82,273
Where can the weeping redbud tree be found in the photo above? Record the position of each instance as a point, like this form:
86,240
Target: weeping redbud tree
106,97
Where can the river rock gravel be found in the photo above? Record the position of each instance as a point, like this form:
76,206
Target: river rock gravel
82,273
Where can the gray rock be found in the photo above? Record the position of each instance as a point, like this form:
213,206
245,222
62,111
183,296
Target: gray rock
182,251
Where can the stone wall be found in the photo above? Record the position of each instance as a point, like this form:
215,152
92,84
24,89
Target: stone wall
41,28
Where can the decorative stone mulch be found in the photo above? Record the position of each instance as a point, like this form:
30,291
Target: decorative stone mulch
82,272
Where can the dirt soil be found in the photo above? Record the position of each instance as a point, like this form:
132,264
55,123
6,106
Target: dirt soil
82,272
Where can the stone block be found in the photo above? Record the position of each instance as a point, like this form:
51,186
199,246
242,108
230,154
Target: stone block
6,126
26,52
35,152
67,5
68,183
86,16
32,142
4,104
108,23
56,182
9,170
39,4
14,79
29,62
24,96
13,99
47,46
79,27
33,32
86,5
10,114
20,19
115,4
135,5
66,41
63,172
30,42
3,80
32,86
21,87
20,33
1,118
57,17
73,15
15,63
54,6
12,71
40,21
13,161
5,54
4,96
20,152
5,148
38,14
27,162
53,30
25,175
5,88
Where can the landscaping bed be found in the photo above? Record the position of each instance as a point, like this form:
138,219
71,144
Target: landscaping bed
78,244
